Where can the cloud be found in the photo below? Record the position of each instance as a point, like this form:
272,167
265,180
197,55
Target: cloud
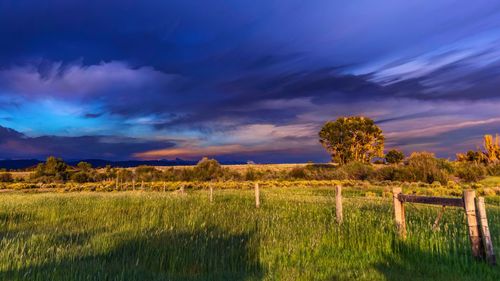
17,145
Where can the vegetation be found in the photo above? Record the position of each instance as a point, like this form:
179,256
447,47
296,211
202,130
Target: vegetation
169,236
352,139
394,156
490,155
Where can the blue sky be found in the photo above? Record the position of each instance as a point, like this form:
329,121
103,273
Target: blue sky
243,80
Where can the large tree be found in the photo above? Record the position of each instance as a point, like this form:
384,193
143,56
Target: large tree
354,138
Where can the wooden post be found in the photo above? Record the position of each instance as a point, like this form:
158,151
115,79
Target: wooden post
338,204
257,195
485,232
472,223
142,185
211,194
399,212
164,186
117,184
133,184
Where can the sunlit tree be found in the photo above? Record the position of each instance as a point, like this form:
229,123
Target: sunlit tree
355,138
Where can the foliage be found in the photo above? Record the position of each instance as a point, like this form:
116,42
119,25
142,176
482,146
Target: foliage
147,173
54,169
6,177
352,139
84,173
358,170
472,156
490,155
492,148
471,172
394,156
207,170
425,167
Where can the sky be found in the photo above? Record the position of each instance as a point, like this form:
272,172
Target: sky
243,80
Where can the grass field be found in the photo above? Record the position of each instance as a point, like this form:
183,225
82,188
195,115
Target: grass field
173,236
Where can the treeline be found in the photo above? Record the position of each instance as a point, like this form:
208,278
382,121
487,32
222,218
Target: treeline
418,167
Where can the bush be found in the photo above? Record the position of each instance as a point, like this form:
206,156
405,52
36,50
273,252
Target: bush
494,169
471,172
6,177
207,169
81,177
394,156
147,173
298,173
358,170
424,167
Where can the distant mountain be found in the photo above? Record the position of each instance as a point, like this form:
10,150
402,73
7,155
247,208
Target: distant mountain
99,163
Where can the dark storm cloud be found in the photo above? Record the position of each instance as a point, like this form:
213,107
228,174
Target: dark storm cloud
17,145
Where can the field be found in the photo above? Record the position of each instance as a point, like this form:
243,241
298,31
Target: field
137,235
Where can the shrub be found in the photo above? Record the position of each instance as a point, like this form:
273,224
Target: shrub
471,172
494,169
297,173
147,173
425,167
358,170
6,177
81,177
394,156
207,169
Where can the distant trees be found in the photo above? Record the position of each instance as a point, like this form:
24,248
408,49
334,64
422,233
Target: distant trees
490,155
54,169
394,156
352,139
84,173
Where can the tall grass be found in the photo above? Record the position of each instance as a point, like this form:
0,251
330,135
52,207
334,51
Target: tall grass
173,236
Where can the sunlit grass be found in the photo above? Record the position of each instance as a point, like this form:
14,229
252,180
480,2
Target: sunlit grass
174,236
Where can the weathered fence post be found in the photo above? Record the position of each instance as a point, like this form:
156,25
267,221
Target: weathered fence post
338,204
211,193
472,223
399,212
164,186
257,195
485,232
133,184
142,185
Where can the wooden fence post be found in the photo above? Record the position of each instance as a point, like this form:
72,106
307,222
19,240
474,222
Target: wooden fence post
338,204
164,186
472,223
399,212
133,184
485,231
257,195
211,194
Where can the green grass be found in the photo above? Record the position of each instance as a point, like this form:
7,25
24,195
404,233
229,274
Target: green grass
491,181
170,236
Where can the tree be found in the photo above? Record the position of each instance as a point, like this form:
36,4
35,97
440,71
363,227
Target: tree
52,169
394,156
352,139
492,147
84,166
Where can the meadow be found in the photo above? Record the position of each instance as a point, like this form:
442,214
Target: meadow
148,235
